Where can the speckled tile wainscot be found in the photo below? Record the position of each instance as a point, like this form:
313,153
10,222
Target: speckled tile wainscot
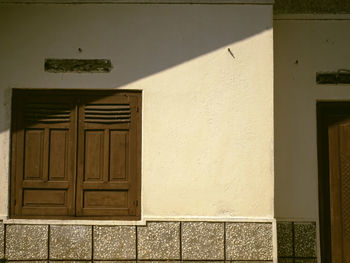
23,261
285,239
305,239
260,261
114,242
305,260
70,261
26,242
70,242
203,241
159,240
2,240
285,260
249,241
118,261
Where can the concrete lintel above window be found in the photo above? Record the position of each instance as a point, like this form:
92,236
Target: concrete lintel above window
137,1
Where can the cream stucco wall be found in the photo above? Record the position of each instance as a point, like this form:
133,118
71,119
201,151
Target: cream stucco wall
207,115
303,45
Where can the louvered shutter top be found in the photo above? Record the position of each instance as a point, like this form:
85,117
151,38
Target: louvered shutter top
47,113
107,113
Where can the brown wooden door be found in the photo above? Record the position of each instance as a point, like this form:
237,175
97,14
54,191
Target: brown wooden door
336,124
43,141
107,159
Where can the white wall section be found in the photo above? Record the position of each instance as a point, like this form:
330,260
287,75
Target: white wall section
207,114
303,47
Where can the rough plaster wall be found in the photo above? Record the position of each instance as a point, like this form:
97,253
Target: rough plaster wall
207,116
302,48
312,7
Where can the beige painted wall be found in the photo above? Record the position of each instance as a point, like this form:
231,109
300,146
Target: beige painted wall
207,116
302,48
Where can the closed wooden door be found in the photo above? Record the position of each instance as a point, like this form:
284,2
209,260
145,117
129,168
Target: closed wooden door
339,164
336,123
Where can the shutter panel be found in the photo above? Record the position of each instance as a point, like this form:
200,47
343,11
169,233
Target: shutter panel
108,156
44,139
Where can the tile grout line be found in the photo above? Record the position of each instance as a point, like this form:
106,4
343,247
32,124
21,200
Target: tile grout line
4,226
181,241
48,241
293,242
225,241
92,243
136,244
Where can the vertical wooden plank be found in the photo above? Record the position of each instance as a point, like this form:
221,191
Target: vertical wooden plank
106,154
335,198
138,120
19,170
45,158
94,150
119,153
80,161
58,157
34,143
72,160
345,188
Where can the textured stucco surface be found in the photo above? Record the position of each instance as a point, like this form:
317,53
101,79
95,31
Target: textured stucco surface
302,48
207,114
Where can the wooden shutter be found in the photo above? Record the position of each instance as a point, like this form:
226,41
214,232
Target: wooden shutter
108,156
76,153
43,159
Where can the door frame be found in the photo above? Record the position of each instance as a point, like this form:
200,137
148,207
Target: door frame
326,111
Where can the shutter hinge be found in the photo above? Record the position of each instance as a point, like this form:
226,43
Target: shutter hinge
136,202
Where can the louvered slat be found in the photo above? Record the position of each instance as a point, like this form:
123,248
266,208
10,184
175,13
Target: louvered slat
47,113
107,113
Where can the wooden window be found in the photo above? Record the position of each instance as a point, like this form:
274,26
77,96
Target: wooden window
76,154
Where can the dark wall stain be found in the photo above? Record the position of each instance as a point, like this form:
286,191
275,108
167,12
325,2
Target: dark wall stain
78,65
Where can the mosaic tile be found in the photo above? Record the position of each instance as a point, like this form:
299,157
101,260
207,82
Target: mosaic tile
202,241
26,242
2,240
70,261
114,242
70,242
109,261
31,261
305,239
159,240
285,239
249,241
